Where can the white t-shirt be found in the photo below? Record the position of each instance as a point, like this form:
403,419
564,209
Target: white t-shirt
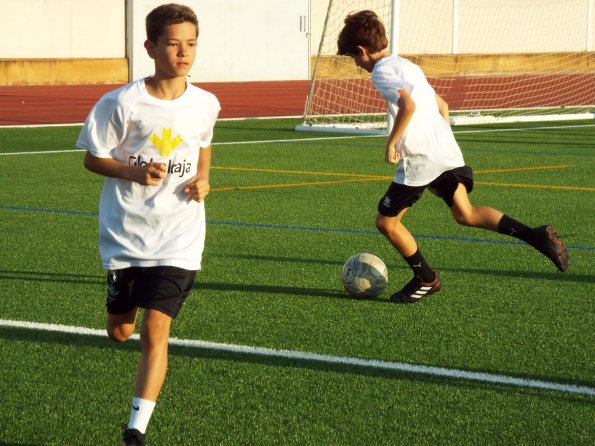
151,225
428,147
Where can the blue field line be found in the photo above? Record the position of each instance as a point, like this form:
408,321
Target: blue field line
48,211
368,232
300,228
528,152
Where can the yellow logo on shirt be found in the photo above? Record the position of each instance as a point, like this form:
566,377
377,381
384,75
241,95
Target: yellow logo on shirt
165,144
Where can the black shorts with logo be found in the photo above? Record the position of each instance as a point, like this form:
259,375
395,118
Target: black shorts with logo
162,288
400,196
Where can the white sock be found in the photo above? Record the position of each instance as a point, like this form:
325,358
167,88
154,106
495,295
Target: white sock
140,414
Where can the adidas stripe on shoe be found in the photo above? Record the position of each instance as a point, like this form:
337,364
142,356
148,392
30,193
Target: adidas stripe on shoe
416,290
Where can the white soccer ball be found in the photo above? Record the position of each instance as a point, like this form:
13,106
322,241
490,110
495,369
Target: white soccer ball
364,275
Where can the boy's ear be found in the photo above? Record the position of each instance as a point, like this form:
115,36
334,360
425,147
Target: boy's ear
362,50
150,47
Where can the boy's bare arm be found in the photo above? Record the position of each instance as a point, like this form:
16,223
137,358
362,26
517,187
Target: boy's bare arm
150,174
198,187
406,109
443,108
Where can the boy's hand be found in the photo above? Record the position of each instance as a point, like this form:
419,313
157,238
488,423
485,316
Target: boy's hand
150,174
197,188
392,156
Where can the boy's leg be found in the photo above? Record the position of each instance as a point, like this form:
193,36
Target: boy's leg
396,233
150,374
543,238
466,214
154,337
121,326
161,291
425,280
402,240
391,209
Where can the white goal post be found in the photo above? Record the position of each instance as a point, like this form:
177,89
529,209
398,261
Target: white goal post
492,61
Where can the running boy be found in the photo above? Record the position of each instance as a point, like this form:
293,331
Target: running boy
151,139
427,155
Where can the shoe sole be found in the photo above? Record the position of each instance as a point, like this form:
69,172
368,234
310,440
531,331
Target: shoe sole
559,253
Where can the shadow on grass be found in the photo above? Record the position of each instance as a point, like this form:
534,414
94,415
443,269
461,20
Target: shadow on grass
4,443
404,275
334,364
530,275
280,259
271,289
46,276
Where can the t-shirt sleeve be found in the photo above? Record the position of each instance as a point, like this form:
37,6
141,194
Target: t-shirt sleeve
387,82
213,109
103,128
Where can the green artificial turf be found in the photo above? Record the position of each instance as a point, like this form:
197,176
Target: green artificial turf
285,211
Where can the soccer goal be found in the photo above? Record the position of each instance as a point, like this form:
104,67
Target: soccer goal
491,60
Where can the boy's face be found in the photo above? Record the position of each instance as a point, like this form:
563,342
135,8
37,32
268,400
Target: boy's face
175,50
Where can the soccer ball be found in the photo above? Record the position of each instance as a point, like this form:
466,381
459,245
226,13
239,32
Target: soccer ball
364,275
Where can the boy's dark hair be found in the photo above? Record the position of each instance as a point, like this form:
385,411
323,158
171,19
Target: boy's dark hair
169,14
362,28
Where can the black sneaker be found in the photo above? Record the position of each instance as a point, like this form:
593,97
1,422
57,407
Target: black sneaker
132,437
548,243
415,290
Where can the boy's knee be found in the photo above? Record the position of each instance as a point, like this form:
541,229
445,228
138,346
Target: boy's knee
382,224
460,219
389,227
464,218
154,330
118,334
116,337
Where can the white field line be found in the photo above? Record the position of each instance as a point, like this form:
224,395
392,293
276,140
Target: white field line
229,143
77,124
323,138
43,152
315,357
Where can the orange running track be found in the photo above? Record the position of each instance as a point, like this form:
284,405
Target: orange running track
70,104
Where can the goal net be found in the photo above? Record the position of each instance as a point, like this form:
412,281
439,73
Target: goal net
491,60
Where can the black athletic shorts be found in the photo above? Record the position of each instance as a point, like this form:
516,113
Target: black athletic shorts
400,196
162,288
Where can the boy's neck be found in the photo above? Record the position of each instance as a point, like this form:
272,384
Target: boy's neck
166,89
375,57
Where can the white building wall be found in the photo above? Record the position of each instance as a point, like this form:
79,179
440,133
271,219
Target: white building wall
62,29
238,41
262,39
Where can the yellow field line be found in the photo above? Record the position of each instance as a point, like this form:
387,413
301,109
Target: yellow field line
300,172
309,183
522,169
364,177
536,186
305,172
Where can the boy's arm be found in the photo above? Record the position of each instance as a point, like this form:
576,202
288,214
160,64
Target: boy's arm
198,187
150,174
405,112
443,108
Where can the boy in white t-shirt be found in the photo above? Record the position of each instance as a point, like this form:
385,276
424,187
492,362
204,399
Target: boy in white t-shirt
151,139
427,155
